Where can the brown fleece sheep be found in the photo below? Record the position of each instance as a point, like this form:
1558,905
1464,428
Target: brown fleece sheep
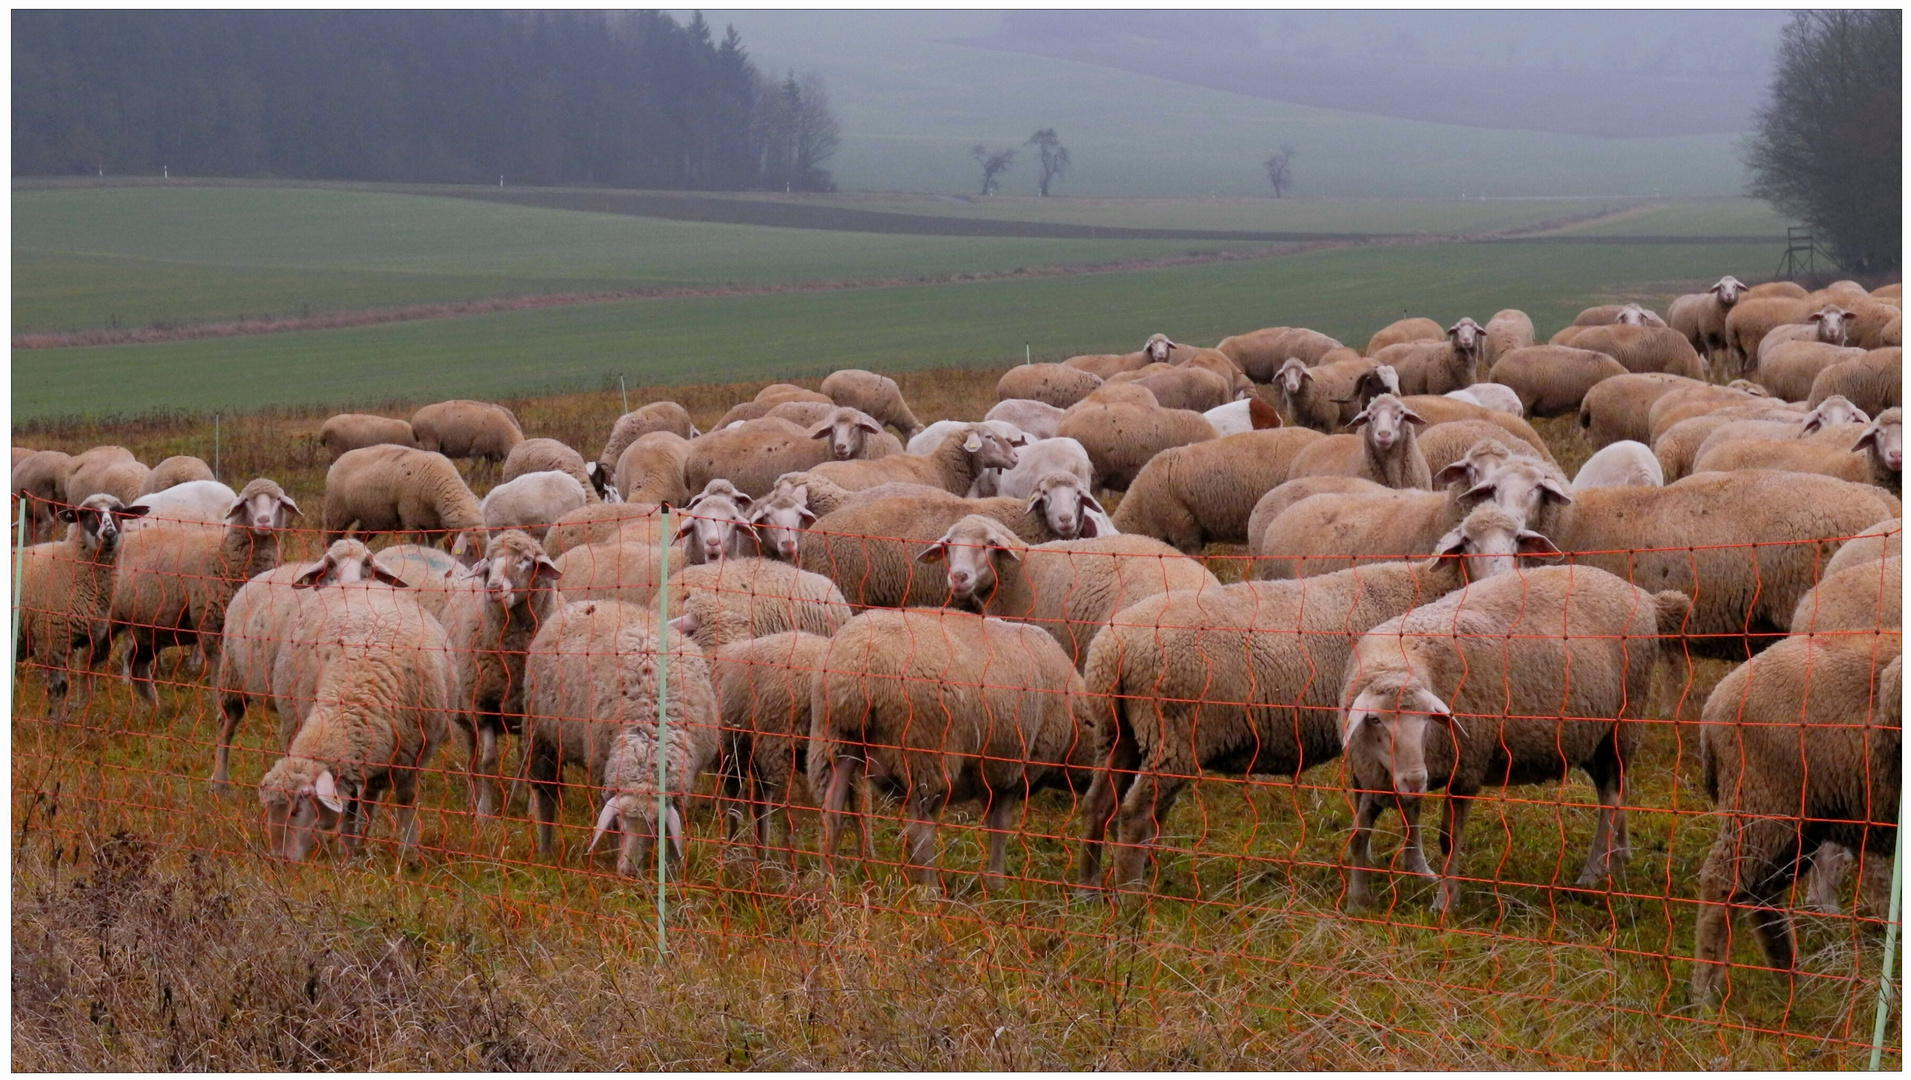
549,455
1261,353
1122,438
650,470
751,455
876,395
1436,367
1874,382
66,593
350,431
1385,450
656,416
105,470
1508,329
1439,409
1644,349
397,489
1618,408
1755,316
1701,317
1193,388
763,694
1866,598
1552,380
766,399
41,479
1195,495
1051,384
175,470
1686,402
1788,368
1401,331
467,429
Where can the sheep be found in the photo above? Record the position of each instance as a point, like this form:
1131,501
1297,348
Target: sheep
490,621
1438,409
1867,323
1191,496
40,479
352,431
952,466
867,549
1800,747
174,581
769,398
1529,676
752,455
1508,329
430,574
1261,353
175,470
1039,459
1118,393
1240,417
1103,365
1059,385
1401,331
650,469
606,523
378,716
467,429
739,599
1552,380
1196,389
1867,598
1701,316
1443,444
1786,455
717,525
1386,452
271,645
1069,588
574,675
988,480
1678,447
105,470
944,706
532,502
1321,398
626,571
195,500
691,737
1620,464
1883,446
398,489
1873,382
876,395
763,694
1435,367
1644,349
1287,494
1330,532
1239,679
1036,419
1121,438
1688,401
1790,290
1489,395
66,591
1755,316
1825,326
1884,540
1619,408
549,455
656,416
1787,369
1620,314
1744,545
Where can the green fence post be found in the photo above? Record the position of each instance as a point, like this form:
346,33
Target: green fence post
661,833
1890,945
626,393
20,568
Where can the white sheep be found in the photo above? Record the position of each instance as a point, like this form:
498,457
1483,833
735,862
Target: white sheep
1489,395
717,524
66,592
720,603
195,500
1248,414
1619,464
988,481
1040,458
1036,419
532,502
953,465
1385,452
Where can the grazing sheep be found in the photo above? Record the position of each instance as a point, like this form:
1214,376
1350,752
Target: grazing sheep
467,429
105,470
195,500
1240,679
174,471
1825,326
380,489
1059,385
1620,464
1874,382
1701,316
353,431
763,694
490,621
378,714
41,480
690,739
767,399
1619,408
717,525
1069,588
1122,438
1191,496
66,592
952,466
1800,747
738,599
549,455
533,502
1518,679
876,395
1785,455
174,580
1867,598
1036,419
1323,398
656,416
1401,331
945,707
1241,417
1435,367
606,523
1552,380
1885,540
1261,353
626,571
1196,389
1039,459
1644,349
1755,316
1679,447
1788,369
1386,452
1508,329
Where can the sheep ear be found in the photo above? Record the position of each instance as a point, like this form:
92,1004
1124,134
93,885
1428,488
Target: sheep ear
934,552
1359,419
1034,500
1813,422
685,624
808,515
379,573
1869,438
1453,543
870,426
285,501
1090,529
310,578
477,569
1554,491
605,819
136,510
821,431
973,442
673,827
1536,546
1454,473
326,789
461,545
684,529
238,507
1090,502
1412,417
546,569
67,514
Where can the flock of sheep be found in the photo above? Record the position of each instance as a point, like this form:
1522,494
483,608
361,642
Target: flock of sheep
947,612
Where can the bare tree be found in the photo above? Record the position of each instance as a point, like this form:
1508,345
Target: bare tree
1280,169
994,163
1054,156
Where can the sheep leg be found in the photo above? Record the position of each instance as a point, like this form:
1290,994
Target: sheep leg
1149,799
1751,861
139,668
1098,808
1360,851
1829,865
1414,853
842,774
996,821
919,831
1456,810
543,769
1609,827
405,809
484,770
232,710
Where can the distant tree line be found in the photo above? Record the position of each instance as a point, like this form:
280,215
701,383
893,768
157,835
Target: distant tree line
622,99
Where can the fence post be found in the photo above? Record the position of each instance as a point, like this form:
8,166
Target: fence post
19,570
660,833
625,393
1892,918
215,446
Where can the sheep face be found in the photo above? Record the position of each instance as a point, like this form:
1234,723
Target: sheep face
1884,440
1158,348
716,524
970,547
1490,542
1385,733
344,563
780,520
1520,487
1631,315
1064,505
990,449
1386,419
1466,336
1834,410
298,807
600,482
100,518
847,431
1728,290
514,566
1831,324
635,819
262,507
1293,375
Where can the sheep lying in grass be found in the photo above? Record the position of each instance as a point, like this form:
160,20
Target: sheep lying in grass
66,592
1518,679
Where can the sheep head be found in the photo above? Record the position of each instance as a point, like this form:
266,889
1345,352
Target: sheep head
1632,315
1158,347
99,518
346,562
1884,440
514,566
1386,725
781,517
262,507
969,547
989,448
300,798
1728,290
1467,336
847,431
1831,321
716,523
1491,541
1293,375
1387,420
1834,410
634,816
1064,504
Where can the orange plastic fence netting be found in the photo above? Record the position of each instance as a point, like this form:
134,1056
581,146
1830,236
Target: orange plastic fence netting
1058,747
